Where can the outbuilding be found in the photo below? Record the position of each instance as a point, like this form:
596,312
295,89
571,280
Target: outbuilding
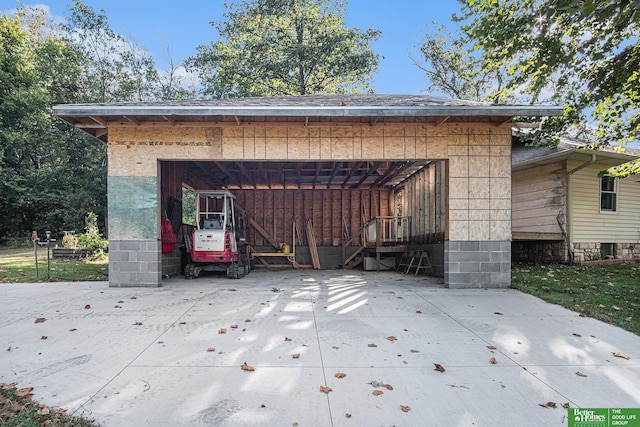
349,178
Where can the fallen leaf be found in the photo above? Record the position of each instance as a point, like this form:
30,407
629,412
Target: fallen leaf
87,307
438,367
388,386
305,345
134,298
72,330
377,392
620,355
490,347
418,311
372,345
296,355
498,313
116,306
548,405
263,406
492,361
566,405
405,408
160,342
348,415
325,389
40,320
414,351
25,392
392,338
183,323
43,410
335,347
222,330
120,302
582,315
246,367
234,326
247,320
137,324
295,424
287,339
44,337
580,374
616,308
376,383
340,375
577,335
211,349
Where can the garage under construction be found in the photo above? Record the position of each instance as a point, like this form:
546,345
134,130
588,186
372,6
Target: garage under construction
321,181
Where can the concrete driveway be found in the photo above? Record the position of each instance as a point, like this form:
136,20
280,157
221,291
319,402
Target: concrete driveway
155,357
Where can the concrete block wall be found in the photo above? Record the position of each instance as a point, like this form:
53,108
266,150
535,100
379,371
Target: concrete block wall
134,263
477,264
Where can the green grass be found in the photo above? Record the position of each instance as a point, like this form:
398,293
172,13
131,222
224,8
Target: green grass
610,293
18,265
18,409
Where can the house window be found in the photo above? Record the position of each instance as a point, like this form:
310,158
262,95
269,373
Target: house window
608,194
607,250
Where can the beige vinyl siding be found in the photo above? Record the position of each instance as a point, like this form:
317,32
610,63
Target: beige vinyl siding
539,198
591,225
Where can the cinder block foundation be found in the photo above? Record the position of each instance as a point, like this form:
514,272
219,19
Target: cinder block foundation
477,264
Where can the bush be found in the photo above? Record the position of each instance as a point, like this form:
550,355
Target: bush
91,240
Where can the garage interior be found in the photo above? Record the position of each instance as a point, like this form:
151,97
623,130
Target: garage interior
321,214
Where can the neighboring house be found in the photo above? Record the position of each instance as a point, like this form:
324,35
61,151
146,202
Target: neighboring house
563,211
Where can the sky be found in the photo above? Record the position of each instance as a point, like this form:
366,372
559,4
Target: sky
184,25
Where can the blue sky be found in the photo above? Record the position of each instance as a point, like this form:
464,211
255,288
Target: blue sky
184,25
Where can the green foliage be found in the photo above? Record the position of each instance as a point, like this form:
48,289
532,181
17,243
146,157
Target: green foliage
585,54
610,293
454,71
91,239
49,173
285,47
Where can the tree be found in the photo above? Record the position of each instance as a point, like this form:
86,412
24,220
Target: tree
583,54
285,47
454,70
49,173
117,69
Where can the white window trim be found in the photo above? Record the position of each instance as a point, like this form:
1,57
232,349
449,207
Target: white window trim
614,192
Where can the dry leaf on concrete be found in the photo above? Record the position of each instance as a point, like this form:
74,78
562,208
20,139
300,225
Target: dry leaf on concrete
566,405
296,355
405,408
372,345
211,349
439,367
392,338
222,330
620,355
490,347
340,375
580,374
325,389
287,339
493,361
388,386
40,320
234,326
377,392
87,307
246,367
137,324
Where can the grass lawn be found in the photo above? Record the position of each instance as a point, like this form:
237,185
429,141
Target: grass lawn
610,293
17,409
18,265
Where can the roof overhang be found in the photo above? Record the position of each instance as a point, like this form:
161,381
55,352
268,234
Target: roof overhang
606,158
95,119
